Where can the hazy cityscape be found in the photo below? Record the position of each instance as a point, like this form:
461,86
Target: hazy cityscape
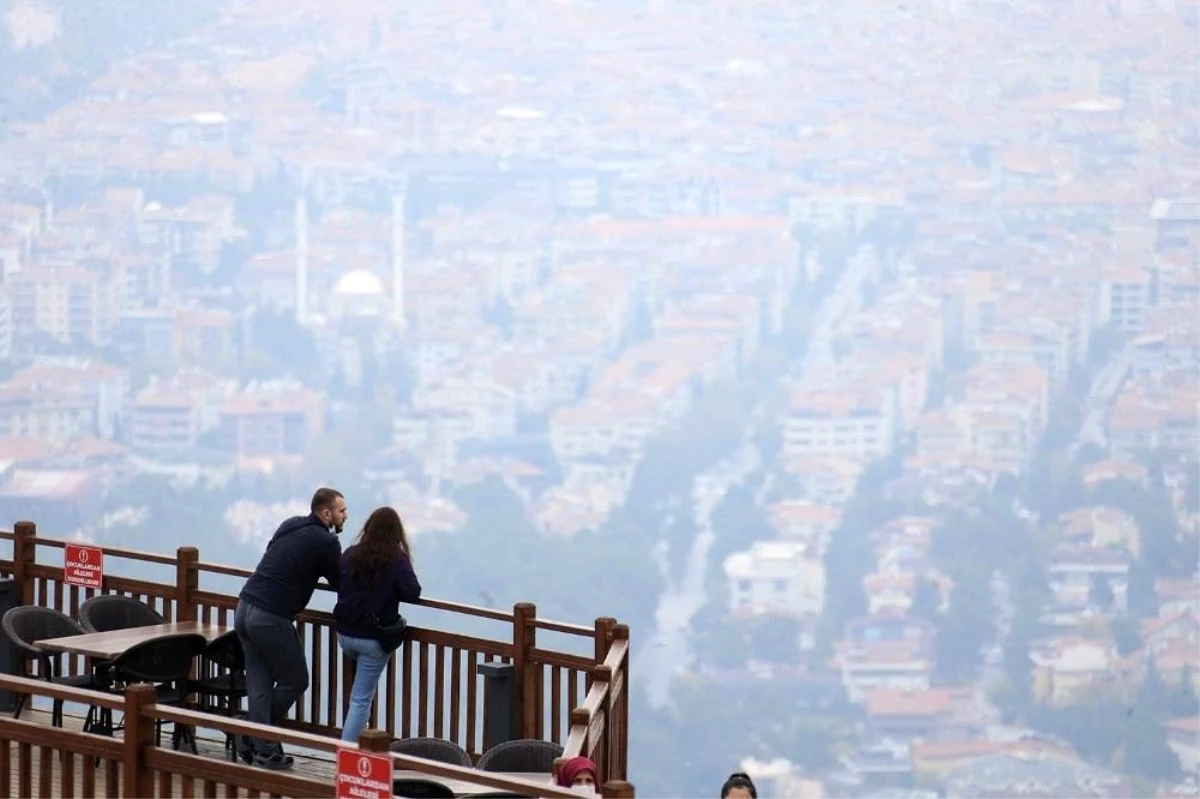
849,352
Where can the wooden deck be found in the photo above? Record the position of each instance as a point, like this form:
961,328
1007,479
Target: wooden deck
52,773
60,774
566,682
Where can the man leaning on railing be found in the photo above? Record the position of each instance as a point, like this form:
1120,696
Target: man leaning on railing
303,550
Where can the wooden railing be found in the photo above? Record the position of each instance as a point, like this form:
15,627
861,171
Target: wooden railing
36,760
432,687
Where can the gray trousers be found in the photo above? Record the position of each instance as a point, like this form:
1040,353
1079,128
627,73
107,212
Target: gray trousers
276,669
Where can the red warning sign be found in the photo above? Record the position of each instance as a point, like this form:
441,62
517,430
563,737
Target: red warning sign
83,566
363,775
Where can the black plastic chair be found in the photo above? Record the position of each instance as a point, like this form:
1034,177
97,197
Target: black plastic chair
27,624
433,749
108,612
225,663
421,789
527,754
164,662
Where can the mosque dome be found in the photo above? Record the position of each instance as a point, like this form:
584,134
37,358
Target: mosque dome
358,283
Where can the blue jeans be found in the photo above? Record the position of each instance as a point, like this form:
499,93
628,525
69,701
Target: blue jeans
371,660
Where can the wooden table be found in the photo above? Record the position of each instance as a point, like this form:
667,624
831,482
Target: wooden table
468,787
108,645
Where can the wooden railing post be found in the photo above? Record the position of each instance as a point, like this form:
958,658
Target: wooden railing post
373,740
599,750
139,736
603,641
24,557
525,690
187,582
617,789
604,627
618,717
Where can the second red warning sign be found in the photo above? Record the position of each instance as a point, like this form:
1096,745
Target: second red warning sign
363,775
83,566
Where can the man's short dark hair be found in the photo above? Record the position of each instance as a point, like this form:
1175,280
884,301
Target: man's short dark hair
324,498
739,779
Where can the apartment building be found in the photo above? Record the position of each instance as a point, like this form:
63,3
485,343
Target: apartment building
208,337
1177,224
1076,573
55,413
491,407
841,424
267,424
175,414
435,435
6,325
71,304
605,424
161,419
885,651
105,386
1123,298
1170,342
842,208
780,577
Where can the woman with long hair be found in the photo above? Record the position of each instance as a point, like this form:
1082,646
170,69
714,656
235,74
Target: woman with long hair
376,576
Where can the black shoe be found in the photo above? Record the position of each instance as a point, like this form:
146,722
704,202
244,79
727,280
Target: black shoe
245,749
276,761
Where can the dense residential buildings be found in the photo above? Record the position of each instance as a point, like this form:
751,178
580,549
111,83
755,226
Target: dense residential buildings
425,247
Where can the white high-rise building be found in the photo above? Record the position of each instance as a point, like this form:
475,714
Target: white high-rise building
398,260
302,259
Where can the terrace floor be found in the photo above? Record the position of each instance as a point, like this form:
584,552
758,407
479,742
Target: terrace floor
79,775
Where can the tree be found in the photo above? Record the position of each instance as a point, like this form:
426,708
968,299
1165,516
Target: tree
397,375
1183,700
1161,550
738,521
968,625
1144,750
500,554
1053,484
1093,726
712,429
927,600
723,640
1100,592
282,347
849,557
500,314
679,531
1191,494
1125,634
1143,598
1152,694
775,638
1016,696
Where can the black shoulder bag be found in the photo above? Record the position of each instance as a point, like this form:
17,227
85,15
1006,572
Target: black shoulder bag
390,635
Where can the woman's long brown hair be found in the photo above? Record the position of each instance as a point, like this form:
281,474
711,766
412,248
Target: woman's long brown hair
381,541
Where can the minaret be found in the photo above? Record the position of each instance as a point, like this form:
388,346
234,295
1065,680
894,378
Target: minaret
398,260
302,258
781,285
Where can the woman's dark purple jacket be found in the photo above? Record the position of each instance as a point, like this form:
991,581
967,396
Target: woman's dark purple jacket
358,603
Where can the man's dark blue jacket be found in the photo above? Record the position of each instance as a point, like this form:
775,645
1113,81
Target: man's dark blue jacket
301,552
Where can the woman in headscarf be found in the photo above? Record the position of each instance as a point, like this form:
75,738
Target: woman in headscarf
579,772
